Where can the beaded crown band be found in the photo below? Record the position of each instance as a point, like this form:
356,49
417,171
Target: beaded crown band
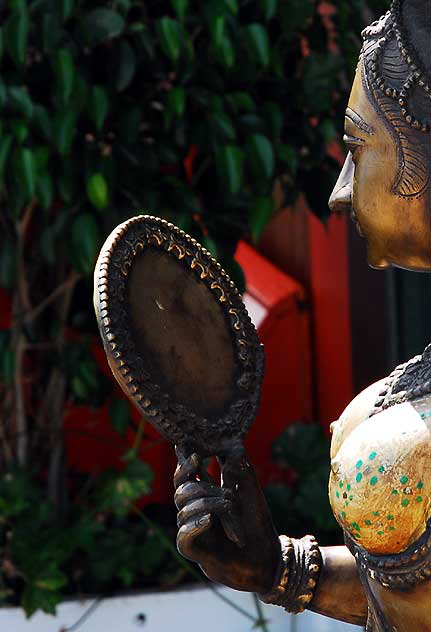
382,33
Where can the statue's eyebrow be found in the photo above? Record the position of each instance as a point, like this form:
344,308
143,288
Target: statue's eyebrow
357,120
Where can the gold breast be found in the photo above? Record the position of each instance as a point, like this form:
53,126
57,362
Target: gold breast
380,482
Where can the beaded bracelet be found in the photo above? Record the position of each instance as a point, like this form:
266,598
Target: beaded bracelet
299,573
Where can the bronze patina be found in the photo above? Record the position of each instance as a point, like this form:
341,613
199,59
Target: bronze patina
380,484
157,293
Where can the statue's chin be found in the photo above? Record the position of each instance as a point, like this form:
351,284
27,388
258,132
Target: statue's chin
377,261
380,262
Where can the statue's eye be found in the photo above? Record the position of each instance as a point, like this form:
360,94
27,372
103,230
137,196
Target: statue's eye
352,143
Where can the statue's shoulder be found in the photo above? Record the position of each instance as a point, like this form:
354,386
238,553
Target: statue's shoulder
359,409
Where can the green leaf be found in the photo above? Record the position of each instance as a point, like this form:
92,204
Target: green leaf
36,599
217,28
241,101
260,214
180,7
43,122
98,105
45,189
125,65
175,103
5,145
119,414
64,131
226,52
85,242
97,190
223,126
169,36
231,5
100,25
121,489
25,170
20,101
257,43
16,32
8,263
19,129
64,71
66,8
229,163
261,155
51,581
269,8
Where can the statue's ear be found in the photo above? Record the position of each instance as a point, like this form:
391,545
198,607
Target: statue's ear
416,21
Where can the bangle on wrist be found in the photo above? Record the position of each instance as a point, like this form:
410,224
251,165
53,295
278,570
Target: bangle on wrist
300,568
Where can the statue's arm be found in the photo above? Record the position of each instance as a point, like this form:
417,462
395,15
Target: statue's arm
339,592
228,531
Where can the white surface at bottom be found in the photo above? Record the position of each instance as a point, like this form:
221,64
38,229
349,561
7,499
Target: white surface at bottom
187,610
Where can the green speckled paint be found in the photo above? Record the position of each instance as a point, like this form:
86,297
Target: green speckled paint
337,494
368,523
341,485
374,480
390,517
419,499
391,527
372,456
420,485
380,533
349,487
381,469
376,513
359,464
358,477
395,492
404,480
405,502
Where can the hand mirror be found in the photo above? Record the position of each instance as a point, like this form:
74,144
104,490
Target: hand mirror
177,336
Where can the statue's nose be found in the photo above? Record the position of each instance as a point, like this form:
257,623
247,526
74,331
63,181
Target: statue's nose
341,197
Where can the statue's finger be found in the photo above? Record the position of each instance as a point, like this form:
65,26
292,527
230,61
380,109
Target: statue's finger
233,529
187,470
192,490
189,532
213,506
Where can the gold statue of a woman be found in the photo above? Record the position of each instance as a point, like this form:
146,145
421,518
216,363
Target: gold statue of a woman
380,484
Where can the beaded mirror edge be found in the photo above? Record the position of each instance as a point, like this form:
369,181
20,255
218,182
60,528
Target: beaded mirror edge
173,419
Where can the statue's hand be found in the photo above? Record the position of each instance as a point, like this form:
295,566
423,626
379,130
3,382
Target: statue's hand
227,530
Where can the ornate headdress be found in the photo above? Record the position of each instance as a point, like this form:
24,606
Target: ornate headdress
394,68
402,90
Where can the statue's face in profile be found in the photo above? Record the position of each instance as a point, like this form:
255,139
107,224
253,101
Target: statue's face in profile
385,180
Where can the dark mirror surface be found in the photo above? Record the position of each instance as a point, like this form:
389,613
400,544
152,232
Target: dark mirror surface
181,333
